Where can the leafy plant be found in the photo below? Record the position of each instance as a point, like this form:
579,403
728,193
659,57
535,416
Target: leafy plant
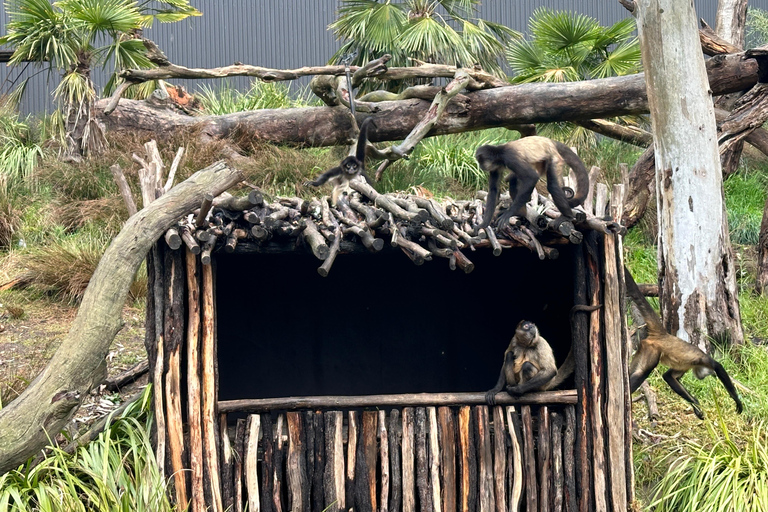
226,99
567,47
20,150
115,472
757,27
437,31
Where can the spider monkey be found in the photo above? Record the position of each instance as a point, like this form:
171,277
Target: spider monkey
671,351
531,362
350,167
528,159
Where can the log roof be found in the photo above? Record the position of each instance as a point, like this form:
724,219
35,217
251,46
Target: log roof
365,220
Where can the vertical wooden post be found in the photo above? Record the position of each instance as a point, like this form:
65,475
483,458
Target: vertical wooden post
396,468
516,460
239,463
580,331
159,363
334,462
296,470
173,326
318,487
467,462
384,456
569,442
484,462
409,494
277,470
209,391
422,475
251,463
529,460
368,458
557,461
351,459
434,459
499,459
596,376
227,466
268,464
615,368
194,392
448,483
544,453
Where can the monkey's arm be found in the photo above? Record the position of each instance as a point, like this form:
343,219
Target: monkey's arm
324,177
493,197
490,396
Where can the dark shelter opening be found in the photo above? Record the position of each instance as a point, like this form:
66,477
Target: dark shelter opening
378,324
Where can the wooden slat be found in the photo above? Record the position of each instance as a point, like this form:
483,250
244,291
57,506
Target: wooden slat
516,460
484,460
544,454
408,453
422,473
596,382
556,425
309,455
395,423
580,344
251,462
529,461
318,487
615,375
278,467
384,458
210,425
499,459
194,393
349,486
239,470
268,464
448,484
434,459
296,467
227,466
367,458
333,479
467,462
569,442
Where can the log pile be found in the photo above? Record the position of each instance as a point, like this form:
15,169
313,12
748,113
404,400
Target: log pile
365,220
427,458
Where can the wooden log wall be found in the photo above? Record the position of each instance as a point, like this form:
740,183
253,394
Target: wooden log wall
469,458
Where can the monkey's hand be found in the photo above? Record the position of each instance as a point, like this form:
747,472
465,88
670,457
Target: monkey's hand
490,397
310,183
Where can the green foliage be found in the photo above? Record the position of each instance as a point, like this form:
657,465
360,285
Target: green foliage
116,472
744,198
567,47
438,31
757,27
227,100
725,476
20,151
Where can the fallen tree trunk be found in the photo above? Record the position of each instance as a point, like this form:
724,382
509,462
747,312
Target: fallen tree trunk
501,106
27,423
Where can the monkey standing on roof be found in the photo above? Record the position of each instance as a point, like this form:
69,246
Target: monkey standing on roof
349,168
527,160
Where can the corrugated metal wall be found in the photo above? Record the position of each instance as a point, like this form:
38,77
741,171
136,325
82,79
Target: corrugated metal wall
288,34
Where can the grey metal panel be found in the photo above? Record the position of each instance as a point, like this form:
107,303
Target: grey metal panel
288,34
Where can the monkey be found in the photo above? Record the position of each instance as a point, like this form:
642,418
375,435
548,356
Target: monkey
349,168
678,355
529,363
528,159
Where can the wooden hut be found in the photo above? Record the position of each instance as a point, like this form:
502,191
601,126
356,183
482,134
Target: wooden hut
310,357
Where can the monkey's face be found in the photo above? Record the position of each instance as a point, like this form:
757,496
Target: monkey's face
350,166
525,332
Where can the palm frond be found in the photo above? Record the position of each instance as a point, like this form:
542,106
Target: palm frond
623,60
430,40
560,30
107,16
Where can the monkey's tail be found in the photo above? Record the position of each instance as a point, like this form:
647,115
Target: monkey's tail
577,166
652,319
566,369
362,140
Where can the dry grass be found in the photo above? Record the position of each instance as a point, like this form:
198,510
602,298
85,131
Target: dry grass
109,212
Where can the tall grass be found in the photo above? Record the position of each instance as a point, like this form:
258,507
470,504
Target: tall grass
116,472
745,198
20,150
227,99
724,476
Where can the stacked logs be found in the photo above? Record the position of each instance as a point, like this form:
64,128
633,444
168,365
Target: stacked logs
422,228
403,459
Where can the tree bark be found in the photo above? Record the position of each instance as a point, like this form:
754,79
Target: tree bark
697,279
501,106
730,20
28,422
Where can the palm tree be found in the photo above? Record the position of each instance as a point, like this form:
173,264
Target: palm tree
436,31
63,36
567,47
